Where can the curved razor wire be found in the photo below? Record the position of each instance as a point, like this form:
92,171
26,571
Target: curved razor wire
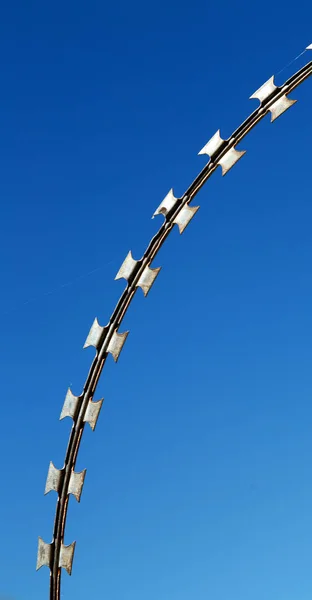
107,340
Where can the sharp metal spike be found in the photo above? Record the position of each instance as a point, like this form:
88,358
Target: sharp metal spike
213,145
147,279
95,335
279,107
265,91
309,47
76,483
66,557
92,412
127,267
54,479
185,215
166,205
44,555
70,406
229,159
116,343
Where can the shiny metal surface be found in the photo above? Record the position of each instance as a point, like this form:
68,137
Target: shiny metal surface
82,409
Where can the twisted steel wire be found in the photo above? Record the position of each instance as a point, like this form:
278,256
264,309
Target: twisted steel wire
82,409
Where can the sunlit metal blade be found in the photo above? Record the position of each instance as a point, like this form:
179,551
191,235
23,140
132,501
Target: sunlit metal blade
66,557
95,335
309,47
54,479
213,145
44,554
265,91
92,413
185,215
76,483
116,344
70,406
127,268
279,107
229,159
167,204
147,279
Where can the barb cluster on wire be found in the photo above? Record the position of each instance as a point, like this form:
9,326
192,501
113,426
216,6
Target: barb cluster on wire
107,340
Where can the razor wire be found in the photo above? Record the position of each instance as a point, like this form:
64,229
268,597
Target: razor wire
108,340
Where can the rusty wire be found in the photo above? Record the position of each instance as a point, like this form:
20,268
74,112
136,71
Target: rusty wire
82,409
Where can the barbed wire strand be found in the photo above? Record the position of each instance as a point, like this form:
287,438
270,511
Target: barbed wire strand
108,340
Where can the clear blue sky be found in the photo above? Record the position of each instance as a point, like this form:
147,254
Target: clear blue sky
199,475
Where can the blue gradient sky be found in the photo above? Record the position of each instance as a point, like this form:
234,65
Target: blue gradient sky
199,475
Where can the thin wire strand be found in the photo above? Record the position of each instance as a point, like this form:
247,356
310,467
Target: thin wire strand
291,62
57,288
